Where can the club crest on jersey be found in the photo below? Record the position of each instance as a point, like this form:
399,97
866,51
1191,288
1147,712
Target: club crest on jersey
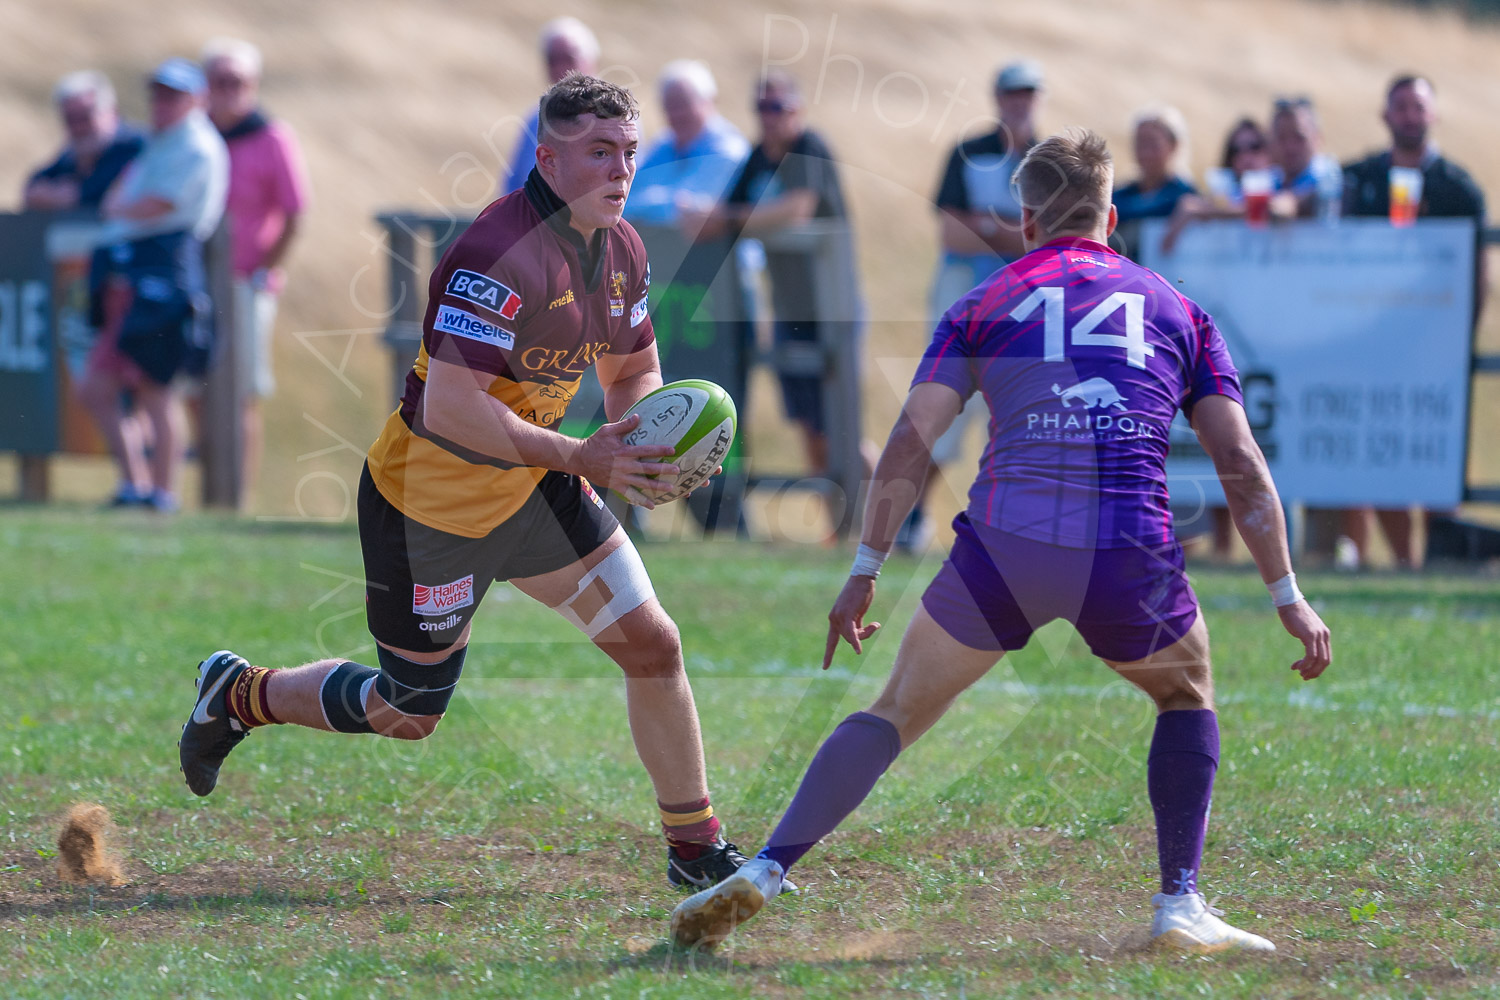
442,598
617,293
485,292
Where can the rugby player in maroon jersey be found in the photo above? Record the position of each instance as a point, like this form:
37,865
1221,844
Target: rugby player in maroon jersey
470,482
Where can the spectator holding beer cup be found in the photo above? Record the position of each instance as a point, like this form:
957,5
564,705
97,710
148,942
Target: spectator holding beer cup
1409,181
1308,181
1247,153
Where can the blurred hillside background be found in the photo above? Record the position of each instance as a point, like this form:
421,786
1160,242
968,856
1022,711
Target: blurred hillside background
417,105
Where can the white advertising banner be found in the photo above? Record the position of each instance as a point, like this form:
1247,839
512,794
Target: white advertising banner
1353,344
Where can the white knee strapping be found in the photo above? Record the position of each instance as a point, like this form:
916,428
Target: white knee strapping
626,586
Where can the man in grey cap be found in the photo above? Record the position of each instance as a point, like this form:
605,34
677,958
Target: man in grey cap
980,222
148,284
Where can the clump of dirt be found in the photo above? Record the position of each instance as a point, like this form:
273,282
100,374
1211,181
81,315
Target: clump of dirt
84,851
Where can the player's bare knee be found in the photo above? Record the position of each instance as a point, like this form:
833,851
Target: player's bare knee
653,649
1183,690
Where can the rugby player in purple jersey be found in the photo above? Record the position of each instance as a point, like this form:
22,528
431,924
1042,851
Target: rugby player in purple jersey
1084,358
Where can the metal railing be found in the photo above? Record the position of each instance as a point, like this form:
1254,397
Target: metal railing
417,241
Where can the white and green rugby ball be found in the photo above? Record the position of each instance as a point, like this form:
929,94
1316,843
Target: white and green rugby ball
698,419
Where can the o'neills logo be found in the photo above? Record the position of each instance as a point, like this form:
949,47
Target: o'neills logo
450,622
442,598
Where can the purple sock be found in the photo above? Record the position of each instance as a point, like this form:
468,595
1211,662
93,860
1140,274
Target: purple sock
1180,781
844,771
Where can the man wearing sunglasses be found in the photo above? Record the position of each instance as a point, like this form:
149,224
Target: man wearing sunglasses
267,197
789,178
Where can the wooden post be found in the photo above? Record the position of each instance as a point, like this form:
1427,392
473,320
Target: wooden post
221,445
36,478
403,331
836,308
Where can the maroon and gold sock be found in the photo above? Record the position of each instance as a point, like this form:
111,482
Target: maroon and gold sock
248,701
691,828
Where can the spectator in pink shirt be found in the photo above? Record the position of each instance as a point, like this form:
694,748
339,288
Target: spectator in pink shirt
268,193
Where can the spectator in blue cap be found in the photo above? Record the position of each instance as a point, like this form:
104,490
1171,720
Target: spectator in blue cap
149,288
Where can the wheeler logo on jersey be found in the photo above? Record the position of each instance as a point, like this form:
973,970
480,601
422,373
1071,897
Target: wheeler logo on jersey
1095,394
466,324
442,598
485,292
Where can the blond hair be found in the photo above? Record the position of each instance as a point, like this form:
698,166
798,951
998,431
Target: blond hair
1066,181
236,51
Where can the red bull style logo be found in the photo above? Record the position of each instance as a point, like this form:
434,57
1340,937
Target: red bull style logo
442,598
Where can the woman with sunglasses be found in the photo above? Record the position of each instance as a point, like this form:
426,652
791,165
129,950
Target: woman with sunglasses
789,178
1247,148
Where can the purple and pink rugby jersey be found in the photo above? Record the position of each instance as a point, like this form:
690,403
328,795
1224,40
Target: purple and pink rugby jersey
1084,358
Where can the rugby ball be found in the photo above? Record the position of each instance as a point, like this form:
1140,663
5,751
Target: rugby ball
698,419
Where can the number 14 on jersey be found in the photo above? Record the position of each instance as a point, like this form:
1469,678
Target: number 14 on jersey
1054,321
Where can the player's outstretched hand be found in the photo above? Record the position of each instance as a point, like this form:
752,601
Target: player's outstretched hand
606,460
846,620
1303,622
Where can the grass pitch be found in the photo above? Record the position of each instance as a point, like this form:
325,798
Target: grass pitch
514,853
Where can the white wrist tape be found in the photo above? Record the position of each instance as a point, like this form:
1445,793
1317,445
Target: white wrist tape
1284,591
867,561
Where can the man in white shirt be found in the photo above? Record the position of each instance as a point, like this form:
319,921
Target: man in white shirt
149,283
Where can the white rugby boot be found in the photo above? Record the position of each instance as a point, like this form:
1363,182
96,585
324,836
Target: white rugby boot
706,918
1187,923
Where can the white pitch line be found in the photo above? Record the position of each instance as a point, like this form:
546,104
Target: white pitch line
1298,698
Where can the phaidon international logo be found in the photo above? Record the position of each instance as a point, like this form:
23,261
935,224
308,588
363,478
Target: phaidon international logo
1092,407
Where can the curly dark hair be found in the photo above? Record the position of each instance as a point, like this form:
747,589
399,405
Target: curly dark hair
576,95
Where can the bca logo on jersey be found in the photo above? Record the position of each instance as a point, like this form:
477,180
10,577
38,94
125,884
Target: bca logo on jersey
485,291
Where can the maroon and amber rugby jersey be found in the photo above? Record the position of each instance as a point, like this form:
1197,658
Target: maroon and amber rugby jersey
520,297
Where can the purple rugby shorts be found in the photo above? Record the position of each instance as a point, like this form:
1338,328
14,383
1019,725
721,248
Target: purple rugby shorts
996,588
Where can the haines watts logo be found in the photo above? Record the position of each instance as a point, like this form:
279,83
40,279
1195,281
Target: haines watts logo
443,598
